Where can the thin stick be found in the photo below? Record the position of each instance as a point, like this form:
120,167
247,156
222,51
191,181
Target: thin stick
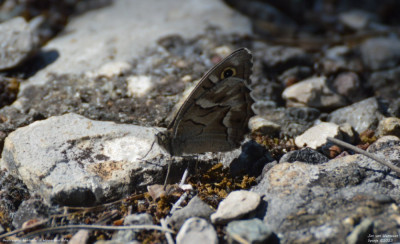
90,227
168,235
178,203
370,155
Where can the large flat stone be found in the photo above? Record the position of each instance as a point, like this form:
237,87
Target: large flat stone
125,29
71,160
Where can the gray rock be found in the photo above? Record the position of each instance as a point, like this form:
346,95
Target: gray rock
313,92
348,84
361,116
306,155
315,137
362,232
381,52
71,160
385,83
339,58
30,209
18,42
195,208
196,230
236,205
253,231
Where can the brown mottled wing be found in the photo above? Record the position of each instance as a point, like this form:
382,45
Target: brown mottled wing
214,117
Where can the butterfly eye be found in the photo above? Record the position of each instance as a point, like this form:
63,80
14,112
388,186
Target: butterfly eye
228,72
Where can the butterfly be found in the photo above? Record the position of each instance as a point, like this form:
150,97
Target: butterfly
215,116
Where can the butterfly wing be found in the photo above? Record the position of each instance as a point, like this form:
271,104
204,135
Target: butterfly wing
215,115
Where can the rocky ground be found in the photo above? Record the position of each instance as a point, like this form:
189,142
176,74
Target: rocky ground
86,85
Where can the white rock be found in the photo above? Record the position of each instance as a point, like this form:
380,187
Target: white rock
139,85
197,230
316,136
71,160
236,205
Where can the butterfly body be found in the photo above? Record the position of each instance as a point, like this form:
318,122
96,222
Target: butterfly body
214,117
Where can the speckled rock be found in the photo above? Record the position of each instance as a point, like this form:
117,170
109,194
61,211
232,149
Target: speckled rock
306,155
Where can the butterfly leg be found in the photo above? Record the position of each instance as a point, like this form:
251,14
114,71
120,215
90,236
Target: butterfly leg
167,175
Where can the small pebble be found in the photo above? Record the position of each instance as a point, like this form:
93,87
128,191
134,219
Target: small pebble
195,208
18,42
236,205
139,85
315,137
252,230
113,69
389,126
197,230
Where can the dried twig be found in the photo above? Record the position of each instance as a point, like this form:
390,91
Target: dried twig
370,155
90,227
